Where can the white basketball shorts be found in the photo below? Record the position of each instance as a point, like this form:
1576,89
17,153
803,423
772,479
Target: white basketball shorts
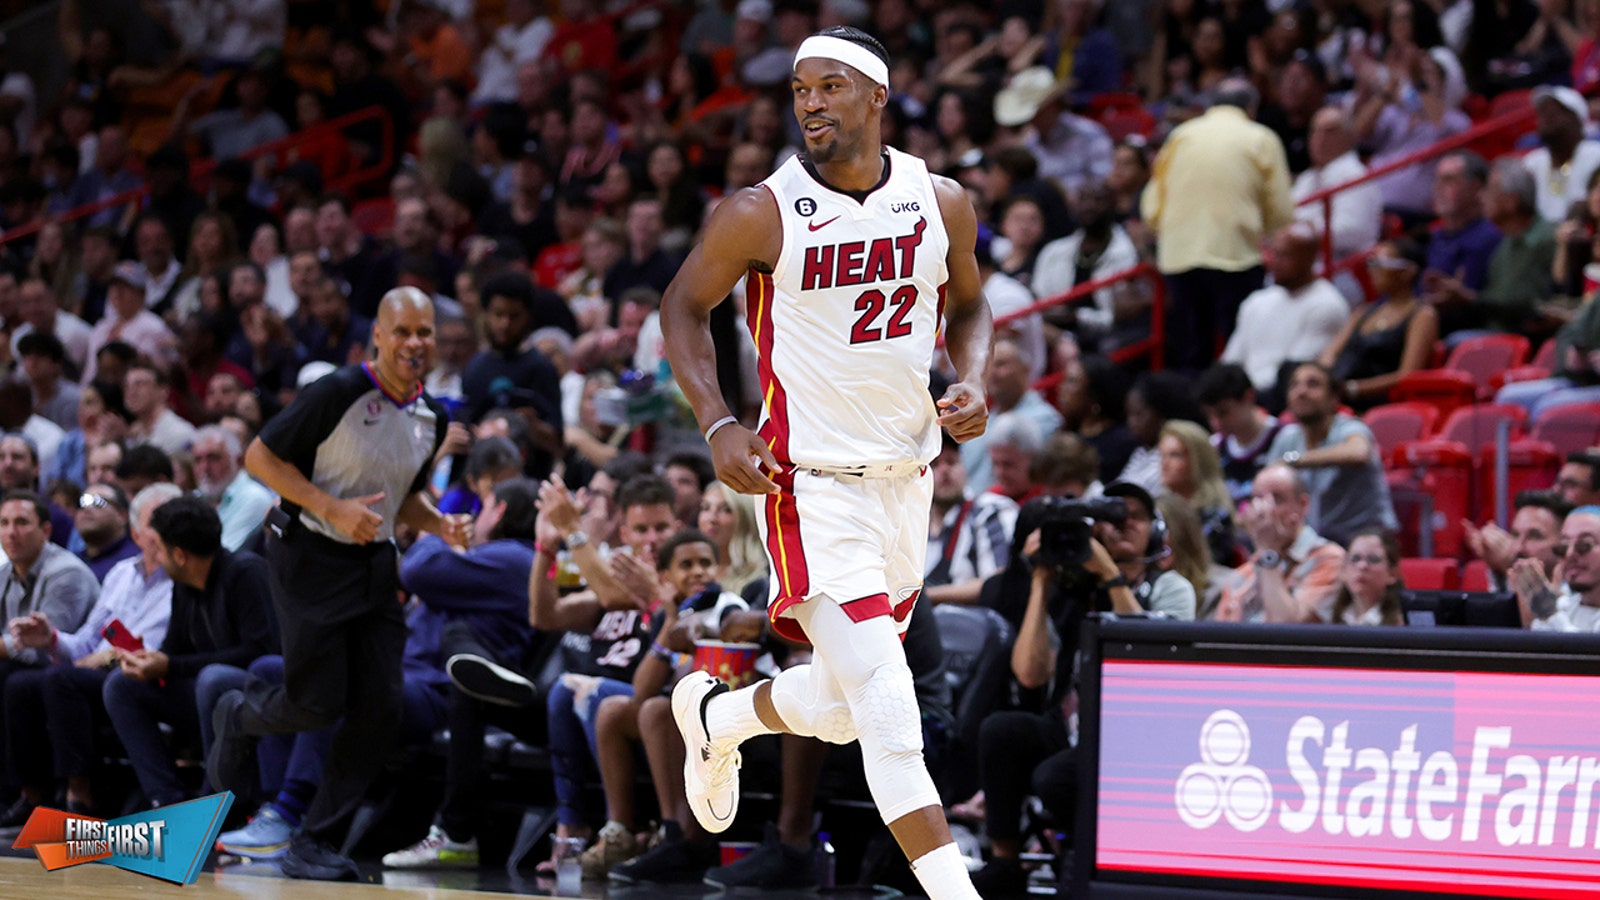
861,541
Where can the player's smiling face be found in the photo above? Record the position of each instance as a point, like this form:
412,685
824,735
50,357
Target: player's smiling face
832,101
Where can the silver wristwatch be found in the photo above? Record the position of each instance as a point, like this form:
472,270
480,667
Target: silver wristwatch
1270,559
576,539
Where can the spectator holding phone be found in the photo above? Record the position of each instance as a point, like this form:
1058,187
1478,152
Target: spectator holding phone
53,714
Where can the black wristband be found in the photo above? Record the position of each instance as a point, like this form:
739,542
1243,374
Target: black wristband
1120,581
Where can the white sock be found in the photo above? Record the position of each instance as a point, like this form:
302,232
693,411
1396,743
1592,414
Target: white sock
731,718
943,874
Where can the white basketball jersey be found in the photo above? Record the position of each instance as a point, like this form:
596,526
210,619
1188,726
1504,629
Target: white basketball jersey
845,324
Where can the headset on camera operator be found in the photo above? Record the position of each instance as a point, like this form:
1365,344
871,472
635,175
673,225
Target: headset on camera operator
1094,555
1103,555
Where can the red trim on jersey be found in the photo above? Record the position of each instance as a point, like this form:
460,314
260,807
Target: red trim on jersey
402,402
788,556
869,607
903,608
938,322
775,430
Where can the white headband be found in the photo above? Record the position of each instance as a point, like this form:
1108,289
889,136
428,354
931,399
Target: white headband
822,46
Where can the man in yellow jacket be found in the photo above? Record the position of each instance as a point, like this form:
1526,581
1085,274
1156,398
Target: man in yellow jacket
1220,186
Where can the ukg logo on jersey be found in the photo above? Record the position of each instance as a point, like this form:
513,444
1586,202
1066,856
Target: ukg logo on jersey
1391,792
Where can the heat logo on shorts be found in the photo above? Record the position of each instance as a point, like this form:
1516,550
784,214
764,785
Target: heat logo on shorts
170,843
1223,783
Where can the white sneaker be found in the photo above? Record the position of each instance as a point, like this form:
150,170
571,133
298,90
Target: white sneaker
434,851
711,776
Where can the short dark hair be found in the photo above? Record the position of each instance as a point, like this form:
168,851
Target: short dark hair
1169,395
685,536
1477,166
1107,386
859,38
1591,459
335,197
40,507
33,446
145,461
626,466
103,232
704,471
188,524
146,364
1223,381
509,284
492,454
42,343
1326,371
644,490
521,497
122,350
148,217
260,273
1551,501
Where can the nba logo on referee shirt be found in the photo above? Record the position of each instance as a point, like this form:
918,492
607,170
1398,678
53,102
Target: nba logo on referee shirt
1223,783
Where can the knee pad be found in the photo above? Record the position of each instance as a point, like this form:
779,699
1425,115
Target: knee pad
891,743
888,701
807,711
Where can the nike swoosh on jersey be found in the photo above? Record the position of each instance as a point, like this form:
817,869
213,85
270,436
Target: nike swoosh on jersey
815,227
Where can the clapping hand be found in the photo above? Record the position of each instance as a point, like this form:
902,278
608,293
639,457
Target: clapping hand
555,503
1265,525
637,577
1534,592
1492,544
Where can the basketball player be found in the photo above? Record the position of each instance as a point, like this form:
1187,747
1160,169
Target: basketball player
855,255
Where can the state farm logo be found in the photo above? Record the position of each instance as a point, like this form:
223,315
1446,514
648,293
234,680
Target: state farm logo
1223,783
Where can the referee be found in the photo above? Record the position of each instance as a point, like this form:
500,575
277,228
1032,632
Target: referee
350,458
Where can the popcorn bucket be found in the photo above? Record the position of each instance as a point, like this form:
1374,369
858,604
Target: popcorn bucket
735,664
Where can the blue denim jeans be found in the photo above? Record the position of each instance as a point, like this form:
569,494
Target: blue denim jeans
572,741
137,709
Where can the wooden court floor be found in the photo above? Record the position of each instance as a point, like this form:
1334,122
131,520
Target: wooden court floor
25,879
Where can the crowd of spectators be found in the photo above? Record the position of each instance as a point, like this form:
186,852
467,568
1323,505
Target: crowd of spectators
541,173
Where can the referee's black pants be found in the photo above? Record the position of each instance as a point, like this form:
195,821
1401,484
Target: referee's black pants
344,635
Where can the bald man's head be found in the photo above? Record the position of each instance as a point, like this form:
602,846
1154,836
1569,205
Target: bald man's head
403,336
1330,136
404,298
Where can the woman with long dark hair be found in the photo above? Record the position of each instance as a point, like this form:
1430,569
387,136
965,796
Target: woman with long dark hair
1369,582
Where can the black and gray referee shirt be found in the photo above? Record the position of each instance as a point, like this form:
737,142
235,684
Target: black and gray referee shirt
351,438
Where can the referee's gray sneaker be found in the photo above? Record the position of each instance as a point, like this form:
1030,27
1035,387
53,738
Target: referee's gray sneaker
485,680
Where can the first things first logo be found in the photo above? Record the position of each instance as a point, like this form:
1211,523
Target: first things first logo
170,843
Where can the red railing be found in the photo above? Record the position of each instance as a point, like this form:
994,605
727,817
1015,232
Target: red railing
1473,135
201,170
1151,347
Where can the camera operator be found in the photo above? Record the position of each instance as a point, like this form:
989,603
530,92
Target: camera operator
1112,565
